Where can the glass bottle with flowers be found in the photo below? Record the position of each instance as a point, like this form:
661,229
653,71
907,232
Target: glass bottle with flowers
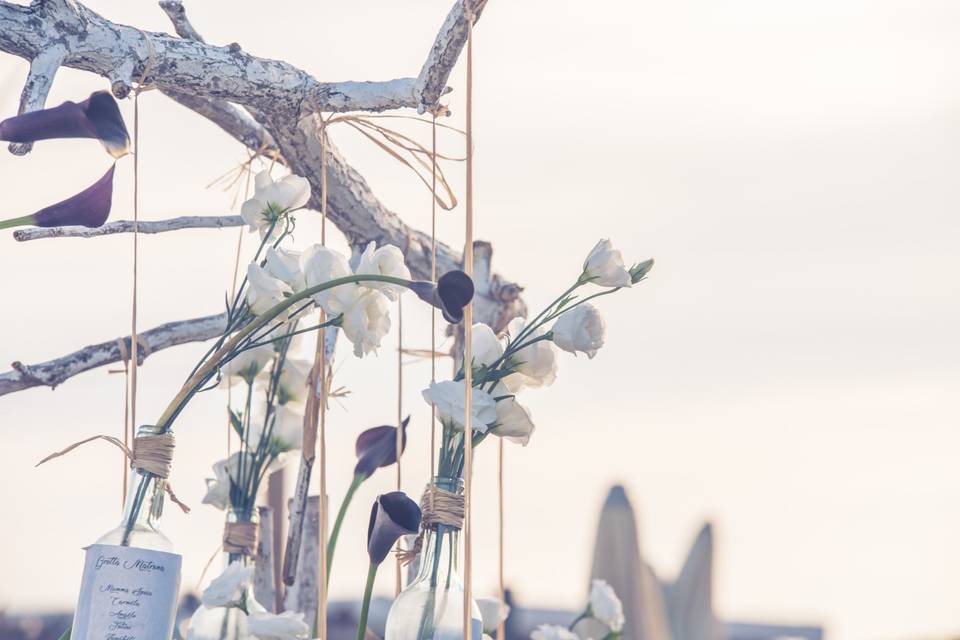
525,356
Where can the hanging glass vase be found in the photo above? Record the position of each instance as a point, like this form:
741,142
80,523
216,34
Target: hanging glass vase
431,607
131,575
225,623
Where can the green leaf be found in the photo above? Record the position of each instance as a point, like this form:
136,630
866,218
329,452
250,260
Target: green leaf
66,634
236,422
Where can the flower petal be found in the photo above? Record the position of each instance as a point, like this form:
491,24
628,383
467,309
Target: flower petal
393,515
89,208
377,447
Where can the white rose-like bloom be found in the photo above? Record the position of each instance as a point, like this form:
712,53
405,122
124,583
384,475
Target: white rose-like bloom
218,487
263,290
272,199
449,397
513,419
604,266
366,321
580,329
535,364
271,626
385,261
493,611
605,606
553,632
486,348
284,265
320,264
226,590
246,365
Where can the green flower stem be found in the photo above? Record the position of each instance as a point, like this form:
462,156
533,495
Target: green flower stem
17,222
578,619
214,361
335,532
365,607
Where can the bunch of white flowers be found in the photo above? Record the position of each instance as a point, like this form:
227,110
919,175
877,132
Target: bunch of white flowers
525,356
603,606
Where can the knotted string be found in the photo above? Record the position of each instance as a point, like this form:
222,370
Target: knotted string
151,453
437,507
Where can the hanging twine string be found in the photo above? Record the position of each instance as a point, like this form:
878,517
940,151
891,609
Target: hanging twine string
399,440
240,537
468,347
125,357
501,627
151,453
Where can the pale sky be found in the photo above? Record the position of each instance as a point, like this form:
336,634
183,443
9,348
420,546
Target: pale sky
789,371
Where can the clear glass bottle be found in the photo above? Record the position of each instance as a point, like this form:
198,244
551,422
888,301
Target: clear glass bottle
431,607
222,623
131,575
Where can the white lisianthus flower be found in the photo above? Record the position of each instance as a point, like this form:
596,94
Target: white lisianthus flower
287,431
553,632
226,590
272,626
535,364
513,419
218,487
449,397
284,265
493,611
605,606
320,264
366,321
580,329
292,385
246,365
263,290
385,261
486,348
273,199
604,266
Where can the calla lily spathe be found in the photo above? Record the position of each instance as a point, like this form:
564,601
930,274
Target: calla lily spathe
377,447
393,515
451,293
96,117
89,208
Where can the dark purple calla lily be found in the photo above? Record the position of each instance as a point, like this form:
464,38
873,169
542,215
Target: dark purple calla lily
393,515
96,117
89,208
452,292
377,447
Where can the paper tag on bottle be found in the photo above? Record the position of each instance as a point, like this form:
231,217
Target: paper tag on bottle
127,594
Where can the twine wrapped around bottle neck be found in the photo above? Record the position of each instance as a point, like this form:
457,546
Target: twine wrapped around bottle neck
154,453
240,537
437,507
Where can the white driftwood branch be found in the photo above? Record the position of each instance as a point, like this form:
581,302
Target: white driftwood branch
122,54
43,68
263,584
302,595
126,226
261,124
54,372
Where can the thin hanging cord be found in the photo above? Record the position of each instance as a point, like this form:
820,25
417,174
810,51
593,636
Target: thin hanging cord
125,355
322,378
134,338
399,442
233,293
468,350
433,278
501,626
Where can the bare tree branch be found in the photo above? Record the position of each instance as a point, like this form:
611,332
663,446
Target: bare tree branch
54,372
126,226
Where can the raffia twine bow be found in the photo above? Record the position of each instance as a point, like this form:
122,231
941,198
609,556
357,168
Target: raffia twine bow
437,506
240,537
150,453
421,159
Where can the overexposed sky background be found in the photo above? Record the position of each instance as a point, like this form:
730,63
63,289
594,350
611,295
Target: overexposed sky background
789,371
